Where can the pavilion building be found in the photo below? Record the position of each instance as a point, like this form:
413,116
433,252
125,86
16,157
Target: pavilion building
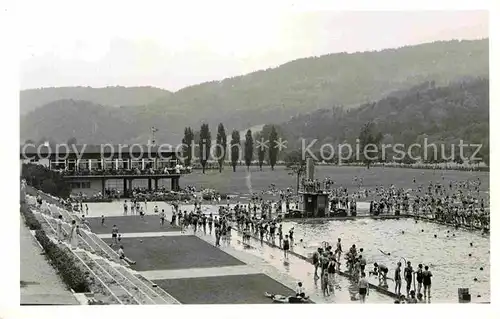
91,169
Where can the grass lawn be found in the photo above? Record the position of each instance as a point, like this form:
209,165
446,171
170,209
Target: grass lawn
174,252
238,289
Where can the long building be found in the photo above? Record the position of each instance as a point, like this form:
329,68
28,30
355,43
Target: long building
91,169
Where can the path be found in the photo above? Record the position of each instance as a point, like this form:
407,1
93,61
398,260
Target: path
43,285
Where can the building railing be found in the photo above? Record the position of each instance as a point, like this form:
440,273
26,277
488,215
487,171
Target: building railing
121,172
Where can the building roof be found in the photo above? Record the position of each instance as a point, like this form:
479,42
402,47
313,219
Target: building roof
96,151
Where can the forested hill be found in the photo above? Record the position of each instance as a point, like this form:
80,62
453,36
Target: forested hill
445,114
304,85
267,96
111,96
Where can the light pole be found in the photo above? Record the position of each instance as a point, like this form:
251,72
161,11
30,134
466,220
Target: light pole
153,131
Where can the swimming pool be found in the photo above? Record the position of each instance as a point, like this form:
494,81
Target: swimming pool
447,255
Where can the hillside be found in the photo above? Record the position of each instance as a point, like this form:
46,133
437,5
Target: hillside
277,95
88,122
447,114
337,79
112,96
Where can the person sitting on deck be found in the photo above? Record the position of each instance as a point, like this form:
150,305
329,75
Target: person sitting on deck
121,253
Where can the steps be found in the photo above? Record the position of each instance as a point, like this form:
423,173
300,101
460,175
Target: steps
123,295
114,281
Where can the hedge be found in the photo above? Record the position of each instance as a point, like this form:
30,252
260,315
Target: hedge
65,264
30,218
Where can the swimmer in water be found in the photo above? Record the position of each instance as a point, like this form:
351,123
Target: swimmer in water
387,254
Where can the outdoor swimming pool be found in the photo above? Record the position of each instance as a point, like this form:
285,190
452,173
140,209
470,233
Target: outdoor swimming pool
447,256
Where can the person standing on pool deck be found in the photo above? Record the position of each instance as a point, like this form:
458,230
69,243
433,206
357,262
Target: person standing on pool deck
419,278
331,271
315,260
217,236
286,246
155,209
338,250
363,288
210,223
125,208
397,280
162,217
280,234
408,277
426,274
114,235
325,285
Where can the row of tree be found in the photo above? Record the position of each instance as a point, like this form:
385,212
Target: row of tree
259,144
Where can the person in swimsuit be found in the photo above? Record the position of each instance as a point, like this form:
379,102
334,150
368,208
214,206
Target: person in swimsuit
397,279
114,235
408,277
299,291
162,217
121,253
286,246
426,274
125,208
102,221
363,287
419,278
331,272
338,250
325,286
381,271
315,261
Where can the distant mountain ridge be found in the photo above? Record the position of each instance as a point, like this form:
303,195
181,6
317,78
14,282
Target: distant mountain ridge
112,96
271,96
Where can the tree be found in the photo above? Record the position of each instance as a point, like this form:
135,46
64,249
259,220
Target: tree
273,147
235,148
369,141
205,143
221,145
248,148
261,148
71,141
187,151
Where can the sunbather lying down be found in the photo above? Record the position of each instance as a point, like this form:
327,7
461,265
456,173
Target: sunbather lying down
285,299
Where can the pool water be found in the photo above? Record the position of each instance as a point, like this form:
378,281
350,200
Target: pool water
447,256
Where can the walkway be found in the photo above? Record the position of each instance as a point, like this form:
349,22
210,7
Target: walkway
40,284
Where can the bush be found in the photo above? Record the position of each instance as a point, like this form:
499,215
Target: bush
49,181
30,218
65,264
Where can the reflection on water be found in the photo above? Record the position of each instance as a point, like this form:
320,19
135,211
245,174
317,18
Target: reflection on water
447,255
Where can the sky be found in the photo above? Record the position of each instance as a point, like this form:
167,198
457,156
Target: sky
171,47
